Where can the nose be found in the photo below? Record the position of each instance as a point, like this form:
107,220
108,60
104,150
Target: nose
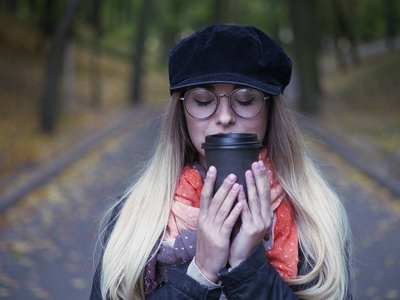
224,114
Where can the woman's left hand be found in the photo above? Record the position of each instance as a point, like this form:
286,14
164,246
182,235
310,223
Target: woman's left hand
256,216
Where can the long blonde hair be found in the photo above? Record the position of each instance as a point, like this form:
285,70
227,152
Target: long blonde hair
322,222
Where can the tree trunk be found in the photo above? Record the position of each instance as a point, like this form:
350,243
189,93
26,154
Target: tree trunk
48,19
355,56
136,94
49,102
340,56
69,76
47,22
12,7
219,9
342,19
95,60
390,17
33,6
303,16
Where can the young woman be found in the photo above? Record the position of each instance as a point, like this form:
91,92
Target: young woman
170,237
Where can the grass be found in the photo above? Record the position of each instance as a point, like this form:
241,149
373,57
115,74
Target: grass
362,107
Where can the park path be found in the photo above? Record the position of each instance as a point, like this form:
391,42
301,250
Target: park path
47,239
374,215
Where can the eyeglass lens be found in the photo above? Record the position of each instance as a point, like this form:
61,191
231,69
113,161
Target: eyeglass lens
201,103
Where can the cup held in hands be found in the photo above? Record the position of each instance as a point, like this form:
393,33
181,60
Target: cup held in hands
231,153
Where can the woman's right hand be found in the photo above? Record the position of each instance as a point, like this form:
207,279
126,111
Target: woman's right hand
215,223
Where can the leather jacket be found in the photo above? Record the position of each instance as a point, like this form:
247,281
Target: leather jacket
254,278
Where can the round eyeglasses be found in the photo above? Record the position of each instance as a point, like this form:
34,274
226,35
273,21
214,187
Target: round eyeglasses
202,103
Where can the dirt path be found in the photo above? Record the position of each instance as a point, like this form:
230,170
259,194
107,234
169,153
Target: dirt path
47,240
375,221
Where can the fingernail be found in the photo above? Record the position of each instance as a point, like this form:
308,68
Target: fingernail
235,187
256,166
211,171
232,178
249,174
261,164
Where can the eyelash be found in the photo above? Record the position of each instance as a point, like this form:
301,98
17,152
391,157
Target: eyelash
246,103
200,103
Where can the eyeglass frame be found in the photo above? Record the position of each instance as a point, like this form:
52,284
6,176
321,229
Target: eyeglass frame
265,97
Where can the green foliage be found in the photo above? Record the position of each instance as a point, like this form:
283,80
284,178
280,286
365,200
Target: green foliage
270,16
369,20
174,19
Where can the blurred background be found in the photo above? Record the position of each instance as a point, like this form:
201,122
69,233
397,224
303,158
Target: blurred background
78,69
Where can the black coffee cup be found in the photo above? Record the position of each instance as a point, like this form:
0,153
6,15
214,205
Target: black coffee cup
231,153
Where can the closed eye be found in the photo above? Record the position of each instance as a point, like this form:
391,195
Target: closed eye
246,103
202,103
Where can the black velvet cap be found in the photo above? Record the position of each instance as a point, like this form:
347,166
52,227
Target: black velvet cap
230,54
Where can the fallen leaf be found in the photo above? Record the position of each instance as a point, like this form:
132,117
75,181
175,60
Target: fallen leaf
5,293
392,294
78,283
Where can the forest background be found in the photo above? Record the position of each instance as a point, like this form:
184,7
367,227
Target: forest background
69,69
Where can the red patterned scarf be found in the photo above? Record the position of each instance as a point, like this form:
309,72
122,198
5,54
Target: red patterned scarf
284,253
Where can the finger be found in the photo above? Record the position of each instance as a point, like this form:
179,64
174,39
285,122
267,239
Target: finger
263,189
230,221
223,191
253,198
246,215
226,205
260,176
207,190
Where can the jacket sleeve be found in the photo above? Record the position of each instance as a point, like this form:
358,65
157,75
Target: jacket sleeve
95,294
182,286
255,278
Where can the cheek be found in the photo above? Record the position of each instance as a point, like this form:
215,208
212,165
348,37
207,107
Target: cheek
260,125
196,133
262,131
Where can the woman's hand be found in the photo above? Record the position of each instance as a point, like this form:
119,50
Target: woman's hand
215,223
256,217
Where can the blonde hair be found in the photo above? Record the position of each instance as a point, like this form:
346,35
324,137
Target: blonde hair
322,222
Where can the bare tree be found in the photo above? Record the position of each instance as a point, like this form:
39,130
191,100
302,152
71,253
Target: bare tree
219,6
303,17
12,7
343,29
390,17
136,95
95,60
49,101
68,76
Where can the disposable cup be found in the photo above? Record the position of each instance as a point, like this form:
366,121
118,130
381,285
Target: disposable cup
231,153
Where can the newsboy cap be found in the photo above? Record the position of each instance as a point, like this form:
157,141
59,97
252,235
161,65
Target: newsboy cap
230,54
